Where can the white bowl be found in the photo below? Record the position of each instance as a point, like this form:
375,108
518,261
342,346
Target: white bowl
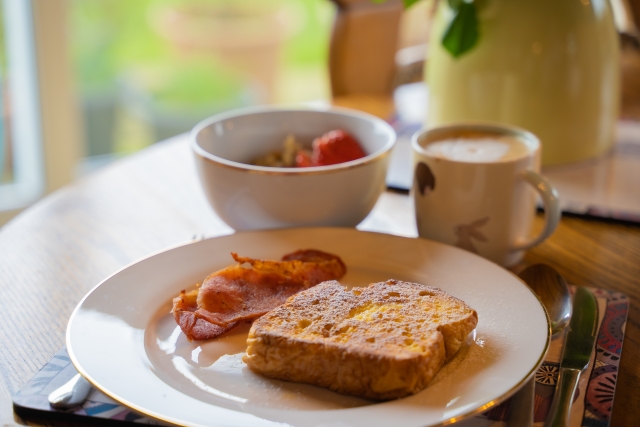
251,197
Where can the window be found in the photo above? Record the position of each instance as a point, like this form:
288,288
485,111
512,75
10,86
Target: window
21,160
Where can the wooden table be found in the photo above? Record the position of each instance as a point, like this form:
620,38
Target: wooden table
54,252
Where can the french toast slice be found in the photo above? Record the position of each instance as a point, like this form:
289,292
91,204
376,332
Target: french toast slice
381,342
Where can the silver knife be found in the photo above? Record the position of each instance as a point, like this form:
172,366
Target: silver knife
580,339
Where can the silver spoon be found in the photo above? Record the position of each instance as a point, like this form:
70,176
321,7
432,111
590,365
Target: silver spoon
73,393
553,291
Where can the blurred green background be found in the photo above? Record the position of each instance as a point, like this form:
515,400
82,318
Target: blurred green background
150,69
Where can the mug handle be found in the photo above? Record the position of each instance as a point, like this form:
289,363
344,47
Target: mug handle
551,204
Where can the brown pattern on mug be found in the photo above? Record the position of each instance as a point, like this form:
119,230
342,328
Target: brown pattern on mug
425,179
467,232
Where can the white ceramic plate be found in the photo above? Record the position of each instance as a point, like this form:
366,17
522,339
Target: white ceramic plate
122,338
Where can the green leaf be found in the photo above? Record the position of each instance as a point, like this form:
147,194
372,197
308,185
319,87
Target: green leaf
455,4
408,3
462,33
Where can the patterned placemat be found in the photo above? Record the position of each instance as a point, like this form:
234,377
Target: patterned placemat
592,408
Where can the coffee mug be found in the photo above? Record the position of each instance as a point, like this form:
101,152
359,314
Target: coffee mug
475,187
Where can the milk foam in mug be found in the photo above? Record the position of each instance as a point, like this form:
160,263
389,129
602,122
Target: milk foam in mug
478,149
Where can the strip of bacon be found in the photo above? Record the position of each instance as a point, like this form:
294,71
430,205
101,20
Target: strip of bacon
194,327
239,293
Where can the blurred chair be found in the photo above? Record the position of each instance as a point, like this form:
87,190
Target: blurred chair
362,54
363,47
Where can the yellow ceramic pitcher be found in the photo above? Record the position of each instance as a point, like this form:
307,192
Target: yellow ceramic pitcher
549,66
